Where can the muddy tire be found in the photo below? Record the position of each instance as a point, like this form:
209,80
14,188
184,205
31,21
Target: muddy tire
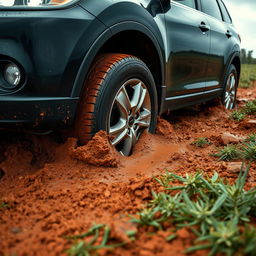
230,88
120,98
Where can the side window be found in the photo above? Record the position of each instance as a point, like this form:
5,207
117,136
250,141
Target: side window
225,13
211,7
189,3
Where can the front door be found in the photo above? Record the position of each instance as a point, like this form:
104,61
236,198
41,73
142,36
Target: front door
188,48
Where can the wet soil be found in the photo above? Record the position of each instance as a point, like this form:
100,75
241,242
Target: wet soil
54,189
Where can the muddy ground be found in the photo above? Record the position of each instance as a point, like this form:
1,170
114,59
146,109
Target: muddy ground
53,189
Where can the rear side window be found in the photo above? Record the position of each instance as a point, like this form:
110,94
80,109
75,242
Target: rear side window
211,8
225,13
189,3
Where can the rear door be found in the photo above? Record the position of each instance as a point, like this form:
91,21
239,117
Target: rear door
188,42
221,43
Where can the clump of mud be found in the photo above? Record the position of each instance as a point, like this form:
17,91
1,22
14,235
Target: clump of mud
164,127
97,152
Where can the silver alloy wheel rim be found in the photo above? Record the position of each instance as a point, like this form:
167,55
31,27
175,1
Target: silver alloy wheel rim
130,114
230,92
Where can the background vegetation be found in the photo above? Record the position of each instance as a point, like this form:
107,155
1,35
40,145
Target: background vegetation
248,75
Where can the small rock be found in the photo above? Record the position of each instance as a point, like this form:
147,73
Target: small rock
190,159
251,121
242,99
228,138
138,193
16,230
82,203
234,167
107,193
176,156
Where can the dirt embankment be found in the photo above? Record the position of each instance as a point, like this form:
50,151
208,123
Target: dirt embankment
55,189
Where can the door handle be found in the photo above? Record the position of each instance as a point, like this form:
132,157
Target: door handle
228,34
204,27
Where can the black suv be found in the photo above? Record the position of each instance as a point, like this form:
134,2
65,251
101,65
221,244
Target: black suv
112,65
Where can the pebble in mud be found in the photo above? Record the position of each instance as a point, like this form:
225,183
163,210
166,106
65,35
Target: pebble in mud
234,167
228,138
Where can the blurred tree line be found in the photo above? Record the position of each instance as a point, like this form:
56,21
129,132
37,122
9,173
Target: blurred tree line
246,57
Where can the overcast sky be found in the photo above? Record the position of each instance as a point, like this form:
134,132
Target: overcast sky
243,14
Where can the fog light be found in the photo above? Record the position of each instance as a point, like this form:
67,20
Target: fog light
12,75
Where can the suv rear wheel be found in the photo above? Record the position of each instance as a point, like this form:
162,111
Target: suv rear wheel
230,88
120,98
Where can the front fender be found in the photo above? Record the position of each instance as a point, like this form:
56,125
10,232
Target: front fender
103,38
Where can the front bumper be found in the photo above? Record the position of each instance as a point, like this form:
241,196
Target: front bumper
49,46
37,113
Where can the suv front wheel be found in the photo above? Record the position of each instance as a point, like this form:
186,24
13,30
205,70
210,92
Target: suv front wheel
120,98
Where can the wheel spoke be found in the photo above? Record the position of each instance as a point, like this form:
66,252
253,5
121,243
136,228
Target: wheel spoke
232,82
230,93
144,119
228,103
123,102
118,138
129,142
138,97
228,85
116,130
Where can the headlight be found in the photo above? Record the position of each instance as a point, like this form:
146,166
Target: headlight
34,3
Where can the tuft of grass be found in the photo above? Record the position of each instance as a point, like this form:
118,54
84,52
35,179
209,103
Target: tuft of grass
237,115
147,218
251,138
190,183
211,208
164,179
250,107
4,205
92,245
249,240
201,142
228,153
222,238
249,151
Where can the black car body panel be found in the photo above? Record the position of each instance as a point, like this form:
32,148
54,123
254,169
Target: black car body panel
56,47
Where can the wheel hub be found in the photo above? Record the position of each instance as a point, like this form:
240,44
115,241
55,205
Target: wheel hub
131,121
130,115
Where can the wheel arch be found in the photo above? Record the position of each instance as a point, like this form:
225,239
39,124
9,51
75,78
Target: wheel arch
118,39
235,60
237,63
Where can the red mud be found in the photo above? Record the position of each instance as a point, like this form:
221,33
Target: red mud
97,152
56,189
